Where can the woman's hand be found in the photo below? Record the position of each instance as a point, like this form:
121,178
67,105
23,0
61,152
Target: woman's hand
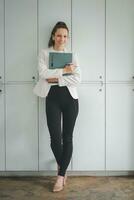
69,68
52,80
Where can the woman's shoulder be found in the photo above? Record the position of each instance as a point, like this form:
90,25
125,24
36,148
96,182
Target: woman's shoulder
71,51
46,50
74,54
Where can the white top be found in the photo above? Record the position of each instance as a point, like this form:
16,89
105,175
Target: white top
42,87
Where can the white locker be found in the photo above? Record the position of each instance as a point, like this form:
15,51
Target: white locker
119,77
2,139
120,127
21,128
88,37
50,13
119,40
101,32
20,40
89,134
1,41
21,131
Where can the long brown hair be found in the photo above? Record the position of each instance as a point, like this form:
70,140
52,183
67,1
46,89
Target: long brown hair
58,25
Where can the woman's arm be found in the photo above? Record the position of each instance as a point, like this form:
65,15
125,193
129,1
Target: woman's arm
52,80
52,75
67,70
71,80
75,78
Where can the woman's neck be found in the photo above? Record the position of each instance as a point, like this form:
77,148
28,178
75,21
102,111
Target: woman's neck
58,48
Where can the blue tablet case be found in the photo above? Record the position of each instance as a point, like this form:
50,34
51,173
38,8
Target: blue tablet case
59,60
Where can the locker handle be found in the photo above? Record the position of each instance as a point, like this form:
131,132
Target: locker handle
101,82
34,79
0,81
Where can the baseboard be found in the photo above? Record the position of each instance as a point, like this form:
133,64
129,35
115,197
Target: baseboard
69,173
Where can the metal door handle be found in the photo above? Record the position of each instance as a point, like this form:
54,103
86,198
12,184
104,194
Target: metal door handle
101,82
1,81
34,79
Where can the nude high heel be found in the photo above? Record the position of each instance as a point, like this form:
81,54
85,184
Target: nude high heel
65,180
65,177
59,185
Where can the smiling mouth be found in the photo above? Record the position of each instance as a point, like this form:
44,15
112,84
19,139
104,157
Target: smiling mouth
61,42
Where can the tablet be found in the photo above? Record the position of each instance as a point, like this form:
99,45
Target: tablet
59,60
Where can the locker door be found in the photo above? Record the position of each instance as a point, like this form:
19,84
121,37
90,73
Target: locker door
88,37
20,67
1,41
120,72
21,128
20,40
2,138
120,127
88,40
89,134
50,13
2,142
120,40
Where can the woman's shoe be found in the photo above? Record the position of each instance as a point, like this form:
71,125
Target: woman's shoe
65,179
59,185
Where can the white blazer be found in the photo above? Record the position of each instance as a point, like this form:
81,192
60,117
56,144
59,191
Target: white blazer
42,87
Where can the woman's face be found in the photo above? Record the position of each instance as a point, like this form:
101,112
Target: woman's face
61,37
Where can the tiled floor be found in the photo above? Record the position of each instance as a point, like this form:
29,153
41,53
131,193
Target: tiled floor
77,188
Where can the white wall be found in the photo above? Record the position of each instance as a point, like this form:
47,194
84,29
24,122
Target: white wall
101,32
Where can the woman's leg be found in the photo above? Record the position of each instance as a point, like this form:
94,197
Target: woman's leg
70,113
53,114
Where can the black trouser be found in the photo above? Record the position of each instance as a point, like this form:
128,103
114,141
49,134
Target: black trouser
59,102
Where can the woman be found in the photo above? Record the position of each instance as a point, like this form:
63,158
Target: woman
61,100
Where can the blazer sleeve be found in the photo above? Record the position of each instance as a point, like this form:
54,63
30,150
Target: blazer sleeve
75,78
44,72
